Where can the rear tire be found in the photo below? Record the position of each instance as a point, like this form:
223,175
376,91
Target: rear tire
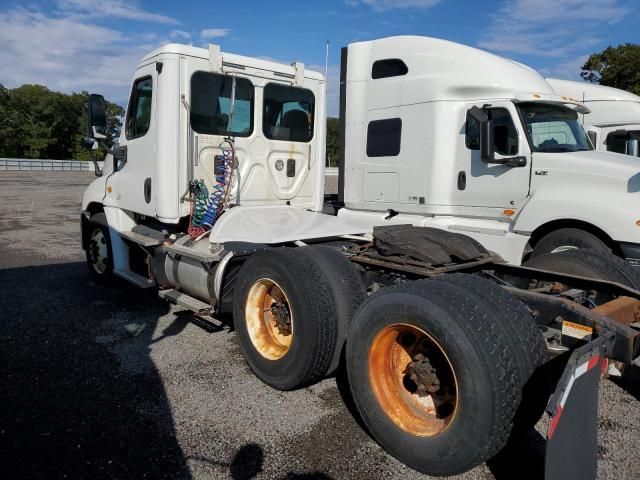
98,252
567,239
285,318
514,316
387,331
347,290
525,339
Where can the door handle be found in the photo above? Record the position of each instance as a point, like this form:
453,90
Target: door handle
291,167
147,190
462,180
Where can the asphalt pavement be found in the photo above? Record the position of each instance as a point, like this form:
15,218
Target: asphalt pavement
115,383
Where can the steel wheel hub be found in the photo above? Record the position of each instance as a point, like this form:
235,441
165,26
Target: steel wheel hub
413,380
269,319
98,251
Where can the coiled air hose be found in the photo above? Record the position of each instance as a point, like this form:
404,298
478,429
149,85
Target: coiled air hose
199,199
216,197
208,206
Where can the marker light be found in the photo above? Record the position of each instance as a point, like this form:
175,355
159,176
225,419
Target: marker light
508,212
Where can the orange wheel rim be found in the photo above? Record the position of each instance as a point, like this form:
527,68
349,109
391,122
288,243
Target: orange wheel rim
413,380
269,319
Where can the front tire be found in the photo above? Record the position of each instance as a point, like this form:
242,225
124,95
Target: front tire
434,382
98,252
567,239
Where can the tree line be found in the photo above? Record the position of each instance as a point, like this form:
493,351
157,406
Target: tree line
36,122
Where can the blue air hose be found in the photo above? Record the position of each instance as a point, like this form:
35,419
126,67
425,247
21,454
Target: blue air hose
216,198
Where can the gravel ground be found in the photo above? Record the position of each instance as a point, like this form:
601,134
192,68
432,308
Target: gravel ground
115,383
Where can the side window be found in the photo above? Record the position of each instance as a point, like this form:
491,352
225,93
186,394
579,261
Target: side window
288,113
505,135
384,137
472,133
211,105
139,111
392,67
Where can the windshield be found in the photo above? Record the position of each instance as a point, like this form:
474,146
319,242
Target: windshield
553,128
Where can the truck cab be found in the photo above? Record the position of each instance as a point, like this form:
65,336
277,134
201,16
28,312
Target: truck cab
441,134
179,111
184,102
613,123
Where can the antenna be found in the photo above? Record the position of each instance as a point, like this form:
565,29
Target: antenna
326,61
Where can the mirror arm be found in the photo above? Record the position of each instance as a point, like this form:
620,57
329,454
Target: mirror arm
516,161
119,154
511,161
96,168
105,147
92,146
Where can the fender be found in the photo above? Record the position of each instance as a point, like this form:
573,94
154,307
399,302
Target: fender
601,189
94,193
278,224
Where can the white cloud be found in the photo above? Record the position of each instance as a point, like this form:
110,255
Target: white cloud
559,32
561,11
391,4
68,54
111,8
550,28
569,70
179,34
209,33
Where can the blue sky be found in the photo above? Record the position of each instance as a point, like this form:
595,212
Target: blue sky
74,45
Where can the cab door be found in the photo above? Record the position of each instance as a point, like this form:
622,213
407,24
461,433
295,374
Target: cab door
492,186
220,106
133,184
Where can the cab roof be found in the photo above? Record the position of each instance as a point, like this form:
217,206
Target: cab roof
230,58
590,92
443,70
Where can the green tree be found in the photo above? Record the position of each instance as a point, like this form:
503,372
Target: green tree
333,141
114,114
617,67
38,123
6,122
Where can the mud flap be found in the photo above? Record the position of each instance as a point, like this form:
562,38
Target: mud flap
572,439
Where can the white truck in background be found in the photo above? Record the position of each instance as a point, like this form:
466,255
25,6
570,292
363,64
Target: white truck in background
214,195
525,181
614,122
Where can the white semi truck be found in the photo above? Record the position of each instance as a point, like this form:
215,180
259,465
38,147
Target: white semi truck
214,196
525,181
614,122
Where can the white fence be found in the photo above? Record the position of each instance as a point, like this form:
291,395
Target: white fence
28,165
